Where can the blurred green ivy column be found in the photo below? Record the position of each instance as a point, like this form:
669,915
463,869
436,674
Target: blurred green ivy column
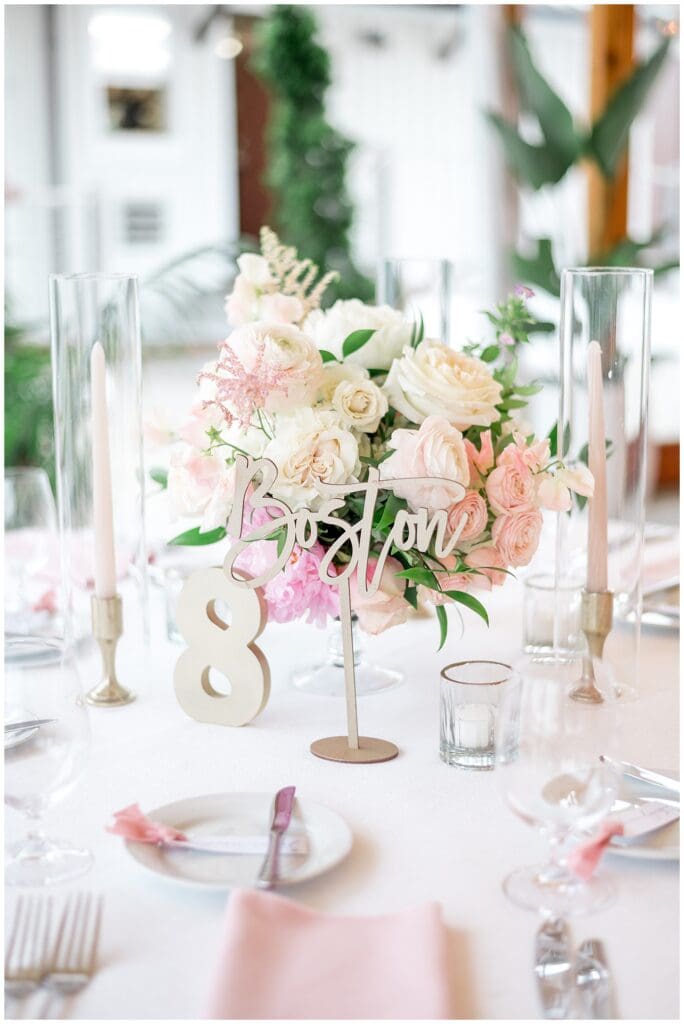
29,439
307,157
565,144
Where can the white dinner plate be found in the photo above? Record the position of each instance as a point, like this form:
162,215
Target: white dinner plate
661,844
328,837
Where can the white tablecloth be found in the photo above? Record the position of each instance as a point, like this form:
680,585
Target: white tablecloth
422,830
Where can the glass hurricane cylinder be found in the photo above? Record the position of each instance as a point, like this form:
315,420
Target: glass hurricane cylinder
421,288
85,309
326,678
613,307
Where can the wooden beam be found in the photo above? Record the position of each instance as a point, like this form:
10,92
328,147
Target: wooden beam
612,60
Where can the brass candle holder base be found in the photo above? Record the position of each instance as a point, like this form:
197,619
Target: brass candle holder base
597,622
107,628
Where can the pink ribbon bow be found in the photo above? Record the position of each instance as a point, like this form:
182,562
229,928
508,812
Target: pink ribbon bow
131,823
584,859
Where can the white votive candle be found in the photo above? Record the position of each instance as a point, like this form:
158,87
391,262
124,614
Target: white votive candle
472,726
103,518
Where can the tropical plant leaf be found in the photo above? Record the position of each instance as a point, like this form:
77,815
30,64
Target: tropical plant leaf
539,269
537,96
194,538
610,132
531,165
355,341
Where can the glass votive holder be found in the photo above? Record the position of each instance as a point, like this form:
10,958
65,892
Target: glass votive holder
551,619
470,692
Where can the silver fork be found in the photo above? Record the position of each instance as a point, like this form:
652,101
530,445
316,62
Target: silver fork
73,960
26,953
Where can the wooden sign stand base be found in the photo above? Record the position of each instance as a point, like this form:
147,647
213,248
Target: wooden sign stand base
351,749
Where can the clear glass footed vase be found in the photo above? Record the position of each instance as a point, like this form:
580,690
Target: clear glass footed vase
326,678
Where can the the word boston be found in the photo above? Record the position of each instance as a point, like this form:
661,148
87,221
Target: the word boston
255,481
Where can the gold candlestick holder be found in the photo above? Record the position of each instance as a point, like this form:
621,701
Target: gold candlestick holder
597,622
107,622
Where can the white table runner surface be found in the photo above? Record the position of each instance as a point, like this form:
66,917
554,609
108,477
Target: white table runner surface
422,830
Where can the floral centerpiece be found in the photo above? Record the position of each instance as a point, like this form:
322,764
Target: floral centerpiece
326,394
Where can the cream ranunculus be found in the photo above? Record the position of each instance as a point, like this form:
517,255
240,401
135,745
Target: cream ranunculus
330,327
311,445
359,404
287,352
435,380
333,373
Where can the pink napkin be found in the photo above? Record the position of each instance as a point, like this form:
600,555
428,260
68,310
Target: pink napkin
131,823
283,961
584,859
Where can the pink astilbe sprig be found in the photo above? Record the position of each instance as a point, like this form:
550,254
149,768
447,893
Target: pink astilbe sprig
241,391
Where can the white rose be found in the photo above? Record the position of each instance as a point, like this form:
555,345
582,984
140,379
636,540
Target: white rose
330,327
335,372
287,354
435,380
311,445
359,404
255,270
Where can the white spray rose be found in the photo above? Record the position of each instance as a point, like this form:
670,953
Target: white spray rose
359,404
311,445
330,327
435,380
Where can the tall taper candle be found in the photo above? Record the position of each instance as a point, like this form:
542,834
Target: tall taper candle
597,542
103,519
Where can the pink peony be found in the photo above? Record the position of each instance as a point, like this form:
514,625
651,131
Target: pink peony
435,450
516,535
298,590
199,420
510,487
474,507
385,608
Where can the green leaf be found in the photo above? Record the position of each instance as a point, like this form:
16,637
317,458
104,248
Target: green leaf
443,625
537,96
610,132
532,165
356,340
194,538
389,512
490,353
538,268
326,356
529,389
160,476
470,602
411,595
374,372
420,575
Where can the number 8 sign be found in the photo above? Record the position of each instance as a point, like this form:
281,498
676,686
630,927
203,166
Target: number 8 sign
229,648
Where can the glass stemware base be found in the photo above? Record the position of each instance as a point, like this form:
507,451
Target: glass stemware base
551,890
38,861
326,678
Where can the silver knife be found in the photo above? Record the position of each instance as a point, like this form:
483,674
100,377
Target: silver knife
594,984
554,968
282,813
633,771
31,723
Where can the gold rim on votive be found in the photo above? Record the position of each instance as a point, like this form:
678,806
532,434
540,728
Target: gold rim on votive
477,661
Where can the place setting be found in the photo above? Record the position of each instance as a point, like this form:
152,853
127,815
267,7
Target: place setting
341,573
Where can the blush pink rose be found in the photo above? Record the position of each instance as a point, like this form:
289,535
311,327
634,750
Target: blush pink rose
385,608
474,507
516,535
435,450
510,487
192,480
